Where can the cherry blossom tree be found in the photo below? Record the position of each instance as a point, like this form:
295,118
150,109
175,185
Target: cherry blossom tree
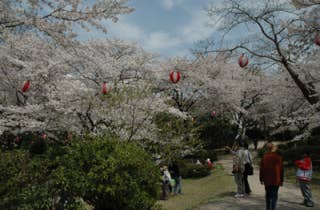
57,20
271,41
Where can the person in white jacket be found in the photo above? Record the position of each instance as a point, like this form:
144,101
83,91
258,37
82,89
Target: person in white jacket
238,168
248,166
166,177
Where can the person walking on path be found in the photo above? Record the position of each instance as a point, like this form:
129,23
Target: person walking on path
238,168
175,171
304,175
271,175
248,168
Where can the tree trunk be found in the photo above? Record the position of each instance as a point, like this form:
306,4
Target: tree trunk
308,91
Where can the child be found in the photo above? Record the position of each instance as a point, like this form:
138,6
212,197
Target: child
209,164
304,175
166,177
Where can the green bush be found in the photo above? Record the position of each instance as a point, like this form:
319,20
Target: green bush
216,132
292,154
114,175
203,155
103,172
192,170
26,181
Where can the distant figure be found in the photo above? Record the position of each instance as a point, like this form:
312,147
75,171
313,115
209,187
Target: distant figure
209,164
175,171
198,162
248,168
271,175
166,177
238,168
304,175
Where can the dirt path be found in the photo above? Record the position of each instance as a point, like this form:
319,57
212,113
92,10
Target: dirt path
289,195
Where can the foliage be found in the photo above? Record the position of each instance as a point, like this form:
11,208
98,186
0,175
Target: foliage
295,153
216,132
189,169
178,136
115,175
294,150
104,172
203,154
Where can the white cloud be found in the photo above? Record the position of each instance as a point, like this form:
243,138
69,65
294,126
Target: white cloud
169,4
197,28
126,31
174,42
161,40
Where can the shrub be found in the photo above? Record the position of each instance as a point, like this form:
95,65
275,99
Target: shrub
114,175
203,155
216,132
296,153
104,172
192,170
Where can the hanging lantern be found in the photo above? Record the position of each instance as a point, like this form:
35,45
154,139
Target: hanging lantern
175,77
214,114
105,89
43,136
317,39
26,86
243,60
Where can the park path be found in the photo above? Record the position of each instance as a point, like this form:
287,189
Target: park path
289,195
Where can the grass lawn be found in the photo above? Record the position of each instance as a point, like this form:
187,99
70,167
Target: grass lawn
200,191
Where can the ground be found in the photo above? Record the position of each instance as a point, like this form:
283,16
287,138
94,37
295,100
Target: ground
216,192
289,196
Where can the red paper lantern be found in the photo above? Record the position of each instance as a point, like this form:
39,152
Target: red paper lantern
317,39
175,76
214,114
43,136
26,86
243,60
105,89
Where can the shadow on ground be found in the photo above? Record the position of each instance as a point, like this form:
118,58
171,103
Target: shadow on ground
249,203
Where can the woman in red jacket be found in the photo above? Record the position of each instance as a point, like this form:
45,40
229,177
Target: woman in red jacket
304,175
271,175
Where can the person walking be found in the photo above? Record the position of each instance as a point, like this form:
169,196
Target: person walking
175,171
271,175
238,168
248,168
304,175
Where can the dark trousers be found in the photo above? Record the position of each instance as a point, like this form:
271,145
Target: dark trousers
271,197
165,190
246,184
177,185
306,192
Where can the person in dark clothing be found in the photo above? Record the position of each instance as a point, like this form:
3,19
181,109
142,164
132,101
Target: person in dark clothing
175,172
271,175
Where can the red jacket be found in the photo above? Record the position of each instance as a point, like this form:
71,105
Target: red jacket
271,169
304,164
304,172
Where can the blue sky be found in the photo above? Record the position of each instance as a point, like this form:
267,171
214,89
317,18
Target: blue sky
167,27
